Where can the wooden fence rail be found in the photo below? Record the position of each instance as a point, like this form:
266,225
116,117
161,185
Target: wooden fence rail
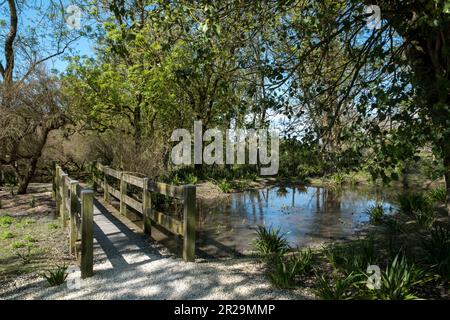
187,194
76,205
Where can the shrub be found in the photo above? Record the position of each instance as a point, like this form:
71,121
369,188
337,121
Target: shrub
191,179
394,226
225,186
412,202
337,179
426,218
399,279
6,221
56,276
376,213
271,242
437,195
336,287
6,235
437,246
354,257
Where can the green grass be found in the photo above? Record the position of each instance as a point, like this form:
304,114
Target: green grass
6,235
18,244
6,221
53,226
30,239
26,222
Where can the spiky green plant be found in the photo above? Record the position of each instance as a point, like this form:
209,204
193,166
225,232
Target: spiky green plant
352,258
336,287
376,213
437,246
191,179
56,276
393,226
425,218
271,242
224,185
25,254
398,280
412,202
283,275
438,195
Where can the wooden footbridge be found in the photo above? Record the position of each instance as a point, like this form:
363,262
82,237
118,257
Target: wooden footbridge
134,192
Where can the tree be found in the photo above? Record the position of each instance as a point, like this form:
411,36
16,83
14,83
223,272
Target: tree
397,77
30,103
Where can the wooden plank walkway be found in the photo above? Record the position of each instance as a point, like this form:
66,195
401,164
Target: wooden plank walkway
116,240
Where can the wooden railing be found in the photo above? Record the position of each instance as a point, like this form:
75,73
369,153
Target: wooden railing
187,194
75,205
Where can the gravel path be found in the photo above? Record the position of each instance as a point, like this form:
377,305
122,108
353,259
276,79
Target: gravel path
127,266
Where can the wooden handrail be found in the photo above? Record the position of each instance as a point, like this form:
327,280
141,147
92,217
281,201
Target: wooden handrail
187,194
75,204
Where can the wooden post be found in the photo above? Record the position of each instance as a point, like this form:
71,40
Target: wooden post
94,176
123,192
54,178
190,221
147,208
105,185
57,191
87,233
64,195
72,213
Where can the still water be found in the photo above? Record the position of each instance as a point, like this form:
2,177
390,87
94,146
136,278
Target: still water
307,215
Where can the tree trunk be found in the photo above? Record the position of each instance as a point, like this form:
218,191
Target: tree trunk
25,180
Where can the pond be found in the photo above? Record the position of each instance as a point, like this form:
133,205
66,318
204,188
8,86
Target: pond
307,215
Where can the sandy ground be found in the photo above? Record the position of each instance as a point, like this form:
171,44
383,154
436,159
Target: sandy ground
128,266
31,229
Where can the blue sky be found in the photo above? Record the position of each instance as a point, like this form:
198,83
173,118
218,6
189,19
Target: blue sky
31,17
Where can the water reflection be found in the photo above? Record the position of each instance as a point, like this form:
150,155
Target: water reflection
309,215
